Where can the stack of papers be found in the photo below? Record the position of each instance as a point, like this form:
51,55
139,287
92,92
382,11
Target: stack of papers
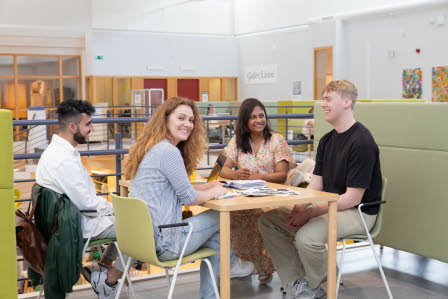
267,192
245,184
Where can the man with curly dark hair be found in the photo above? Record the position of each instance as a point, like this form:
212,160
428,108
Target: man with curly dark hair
60,169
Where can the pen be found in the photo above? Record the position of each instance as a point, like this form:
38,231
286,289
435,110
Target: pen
228,196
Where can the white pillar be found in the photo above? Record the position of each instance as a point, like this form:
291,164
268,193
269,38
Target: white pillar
339,52
368,69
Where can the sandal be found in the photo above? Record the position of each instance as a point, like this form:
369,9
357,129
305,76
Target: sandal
265,278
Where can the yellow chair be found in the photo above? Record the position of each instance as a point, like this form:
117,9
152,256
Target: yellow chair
17,197
135,238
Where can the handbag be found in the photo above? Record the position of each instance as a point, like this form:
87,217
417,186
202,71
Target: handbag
30,240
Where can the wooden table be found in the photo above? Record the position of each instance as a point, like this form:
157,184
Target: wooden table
225,206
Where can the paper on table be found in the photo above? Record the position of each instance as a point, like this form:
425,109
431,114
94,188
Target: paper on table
267,192
245,184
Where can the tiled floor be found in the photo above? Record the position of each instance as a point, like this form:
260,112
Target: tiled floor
410,276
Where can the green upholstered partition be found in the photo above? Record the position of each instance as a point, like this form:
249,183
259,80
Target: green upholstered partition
413,143
8,260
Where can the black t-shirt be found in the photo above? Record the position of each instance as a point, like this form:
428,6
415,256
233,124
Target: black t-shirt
350,159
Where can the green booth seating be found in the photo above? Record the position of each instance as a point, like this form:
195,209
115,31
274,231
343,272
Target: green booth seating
8,261
413,143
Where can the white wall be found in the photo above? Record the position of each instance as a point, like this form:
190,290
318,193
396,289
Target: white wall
293,54
259,15
368,40
129,42
179,16
42,17
128,53
378,75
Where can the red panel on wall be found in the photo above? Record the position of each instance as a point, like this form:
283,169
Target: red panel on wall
156,83
188,88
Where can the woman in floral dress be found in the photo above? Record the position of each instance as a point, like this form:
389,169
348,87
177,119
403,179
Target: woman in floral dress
258,154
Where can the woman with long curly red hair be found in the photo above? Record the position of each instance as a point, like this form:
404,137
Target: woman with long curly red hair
166,153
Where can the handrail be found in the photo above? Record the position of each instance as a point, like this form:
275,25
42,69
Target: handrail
145,119
119,151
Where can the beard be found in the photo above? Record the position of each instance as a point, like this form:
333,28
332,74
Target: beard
79,138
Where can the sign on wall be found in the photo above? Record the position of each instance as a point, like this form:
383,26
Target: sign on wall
260,74
296,90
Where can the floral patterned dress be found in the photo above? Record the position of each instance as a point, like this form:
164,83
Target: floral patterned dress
245,237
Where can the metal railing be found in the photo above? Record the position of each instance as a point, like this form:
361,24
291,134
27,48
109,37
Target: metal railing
119,151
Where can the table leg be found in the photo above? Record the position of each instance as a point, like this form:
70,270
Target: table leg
331,262
225,254
124,191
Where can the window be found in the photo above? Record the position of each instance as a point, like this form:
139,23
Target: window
38,80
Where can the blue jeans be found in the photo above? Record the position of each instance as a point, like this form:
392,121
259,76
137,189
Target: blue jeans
205,234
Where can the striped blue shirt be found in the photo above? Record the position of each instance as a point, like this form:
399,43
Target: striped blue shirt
162,182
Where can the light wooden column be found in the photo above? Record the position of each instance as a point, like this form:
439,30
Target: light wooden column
331,262
16,90
61,85
203,87
228,89
171,87
137,83
94,90
225,254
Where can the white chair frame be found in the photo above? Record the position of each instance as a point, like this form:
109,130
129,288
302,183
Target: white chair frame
176,271
369,239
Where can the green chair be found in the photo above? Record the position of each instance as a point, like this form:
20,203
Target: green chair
367,237
135,238
88,243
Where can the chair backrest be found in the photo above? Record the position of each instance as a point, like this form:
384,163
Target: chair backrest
379,217
135,234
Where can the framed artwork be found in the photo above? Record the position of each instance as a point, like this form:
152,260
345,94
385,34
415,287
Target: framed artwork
440,84
412,83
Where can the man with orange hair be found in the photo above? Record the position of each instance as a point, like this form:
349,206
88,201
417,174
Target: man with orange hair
347,163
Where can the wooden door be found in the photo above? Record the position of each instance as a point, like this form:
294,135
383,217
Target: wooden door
188,88
156,83
323,69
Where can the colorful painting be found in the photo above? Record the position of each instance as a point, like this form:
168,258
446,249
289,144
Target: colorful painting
412,83
440,84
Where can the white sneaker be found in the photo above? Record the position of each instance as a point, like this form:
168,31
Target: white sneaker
94,266
303,291
291,286
99,285
241,268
